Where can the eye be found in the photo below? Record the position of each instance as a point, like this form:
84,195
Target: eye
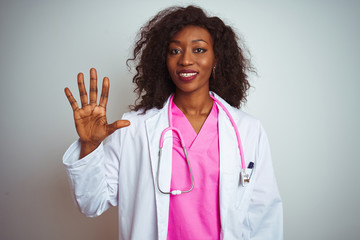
200,50
174,51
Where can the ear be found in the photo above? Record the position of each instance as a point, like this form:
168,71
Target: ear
215,62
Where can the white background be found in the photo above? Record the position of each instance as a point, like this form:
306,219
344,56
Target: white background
306,95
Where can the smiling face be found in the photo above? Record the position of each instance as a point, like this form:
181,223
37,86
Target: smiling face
190,59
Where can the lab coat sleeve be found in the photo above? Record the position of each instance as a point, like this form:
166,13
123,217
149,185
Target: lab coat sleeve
265,213
94,178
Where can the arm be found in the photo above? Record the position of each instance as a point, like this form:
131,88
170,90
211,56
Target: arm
265,214
94,178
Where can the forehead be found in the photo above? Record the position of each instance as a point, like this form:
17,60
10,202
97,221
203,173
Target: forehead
191,33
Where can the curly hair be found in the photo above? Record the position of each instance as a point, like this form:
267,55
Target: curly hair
152,79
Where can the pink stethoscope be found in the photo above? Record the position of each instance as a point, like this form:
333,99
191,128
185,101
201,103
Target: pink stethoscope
244,177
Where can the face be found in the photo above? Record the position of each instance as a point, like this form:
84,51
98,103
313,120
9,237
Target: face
190,59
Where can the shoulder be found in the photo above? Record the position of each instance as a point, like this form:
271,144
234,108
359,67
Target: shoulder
140,116
137,125
139,120
238,115
243,116
246,123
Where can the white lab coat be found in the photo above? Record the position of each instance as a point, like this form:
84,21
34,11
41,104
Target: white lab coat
122,172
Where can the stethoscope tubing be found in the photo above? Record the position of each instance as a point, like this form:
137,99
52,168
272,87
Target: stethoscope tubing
236,131
171,128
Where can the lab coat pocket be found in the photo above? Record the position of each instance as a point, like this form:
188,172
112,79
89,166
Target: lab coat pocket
232,192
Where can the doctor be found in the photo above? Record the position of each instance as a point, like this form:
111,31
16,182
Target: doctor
191,77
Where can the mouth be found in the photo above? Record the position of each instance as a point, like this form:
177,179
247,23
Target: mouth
187,75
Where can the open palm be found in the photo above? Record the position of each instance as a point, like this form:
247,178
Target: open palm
90,120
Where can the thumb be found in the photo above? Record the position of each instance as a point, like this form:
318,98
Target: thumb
110,128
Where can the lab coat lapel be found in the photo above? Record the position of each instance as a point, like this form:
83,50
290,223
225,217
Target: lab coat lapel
229,163
154,127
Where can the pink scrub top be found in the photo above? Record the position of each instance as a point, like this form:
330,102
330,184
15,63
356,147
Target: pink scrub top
195,215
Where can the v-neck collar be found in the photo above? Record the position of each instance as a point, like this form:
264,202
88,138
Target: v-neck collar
181,122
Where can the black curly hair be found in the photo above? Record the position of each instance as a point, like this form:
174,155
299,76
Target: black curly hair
152,79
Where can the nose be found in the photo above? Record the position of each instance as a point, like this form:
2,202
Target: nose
186,58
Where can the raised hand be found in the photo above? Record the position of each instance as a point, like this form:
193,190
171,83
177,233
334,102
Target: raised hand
90,120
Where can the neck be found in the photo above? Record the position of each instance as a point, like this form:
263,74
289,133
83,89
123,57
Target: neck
193,104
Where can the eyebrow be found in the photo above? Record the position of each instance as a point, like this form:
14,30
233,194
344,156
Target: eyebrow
193,41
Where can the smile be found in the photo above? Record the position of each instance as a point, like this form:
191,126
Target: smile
186,75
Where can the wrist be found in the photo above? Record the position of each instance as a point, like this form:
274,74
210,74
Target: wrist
87,148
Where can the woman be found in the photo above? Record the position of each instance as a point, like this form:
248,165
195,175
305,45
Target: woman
191,76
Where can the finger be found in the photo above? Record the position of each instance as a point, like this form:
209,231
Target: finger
104,92
82,90
71,99
93,86
116,125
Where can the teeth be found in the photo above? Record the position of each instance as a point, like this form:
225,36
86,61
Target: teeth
187,74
